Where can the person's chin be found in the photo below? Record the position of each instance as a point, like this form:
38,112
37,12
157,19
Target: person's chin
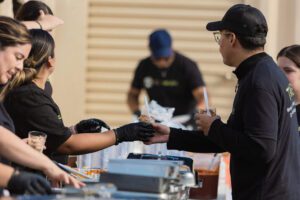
3,80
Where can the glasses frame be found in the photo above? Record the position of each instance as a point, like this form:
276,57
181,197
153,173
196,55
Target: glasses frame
218,35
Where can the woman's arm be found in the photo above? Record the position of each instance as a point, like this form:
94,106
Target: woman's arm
87,143
5,174
14,149
91,142
45,22
23,182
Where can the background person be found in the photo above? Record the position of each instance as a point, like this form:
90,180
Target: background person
288,59
170,78
37,15
261,132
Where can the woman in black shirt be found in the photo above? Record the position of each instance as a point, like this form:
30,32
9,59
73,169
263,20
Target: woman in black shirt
14,49
33,109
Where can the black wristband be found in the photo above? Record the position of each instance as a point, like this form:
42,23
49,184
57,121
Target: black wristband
39,24
117,137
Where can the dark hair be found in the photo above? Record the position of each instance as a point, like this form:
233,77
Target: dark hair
31,11
42,48
291,52
12,33
251,43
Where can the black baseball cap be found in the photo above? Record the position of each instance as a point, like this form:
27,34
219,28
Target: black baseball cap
243,20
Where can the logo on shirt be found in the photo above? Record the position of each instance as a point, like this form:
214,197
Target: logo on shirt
148,82
169,83
290,91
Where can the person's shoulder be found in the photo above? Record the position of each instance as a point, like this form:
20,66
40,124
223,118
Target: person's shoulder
266,67
184,59
28,94
267,73
144,62
144,66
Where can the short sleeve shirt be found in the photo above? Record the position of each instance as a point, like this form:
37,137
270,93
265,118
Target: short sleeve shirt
7,123
5,119
33,109
171,87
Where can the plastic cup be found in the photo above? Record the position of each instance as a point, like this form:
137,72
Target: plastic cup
207,168
208,185
37,140
146,119
212,111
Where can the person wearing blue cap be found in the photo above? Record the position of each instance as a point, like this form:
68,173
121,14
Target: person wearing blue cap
261,132
169,77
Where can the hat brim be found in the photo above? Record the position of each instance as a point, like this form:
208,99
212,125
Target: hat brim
215,26
165,52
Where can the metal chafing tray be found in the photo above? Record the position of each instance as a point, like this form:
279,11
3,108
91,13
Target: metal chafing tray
152,168
125,182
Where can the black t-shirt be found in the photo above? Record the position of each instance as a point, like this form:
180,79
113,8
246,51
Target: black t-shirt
261,134
48,88
170,87
5,119
57,157
298,115
32,109
7,123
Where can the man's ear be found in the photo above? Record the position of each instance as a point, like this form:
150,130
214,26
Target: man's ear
233,39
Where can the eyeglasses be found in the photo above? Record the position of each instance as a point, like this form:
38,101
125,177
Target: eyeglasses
218,35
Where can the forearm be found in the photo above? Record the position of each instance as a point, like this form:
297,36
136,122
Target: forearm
199,96
240,144
5,174
133,102
31,24
193,141
87,143
14,149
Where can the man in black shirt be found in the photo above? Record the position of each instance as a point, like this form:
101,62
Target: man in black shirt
170,78
261,132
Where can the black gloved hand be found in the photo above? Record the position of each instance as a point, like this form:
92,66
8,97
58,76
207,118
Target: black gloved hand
132,132
92,125
30,183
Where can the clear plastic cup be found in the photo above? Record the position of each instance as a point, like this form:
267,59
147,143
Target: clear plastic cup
37,140
207,168
212,111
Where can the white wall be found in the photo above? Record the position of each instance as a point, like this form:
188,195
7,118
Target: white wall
69,76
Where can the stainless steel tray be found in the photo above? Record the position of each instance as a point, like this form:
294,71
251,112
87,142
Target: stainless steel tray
136,183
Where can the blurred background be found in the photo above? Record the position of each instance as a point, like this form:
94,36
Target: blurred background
101,42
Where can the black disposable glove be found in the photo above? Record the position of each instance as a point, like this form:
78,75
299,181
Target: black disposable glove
24,182
132,132
91,126
137,113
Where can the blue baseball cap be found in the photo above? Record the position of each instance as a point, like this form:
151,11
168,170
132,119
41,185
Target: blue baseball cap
160,43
